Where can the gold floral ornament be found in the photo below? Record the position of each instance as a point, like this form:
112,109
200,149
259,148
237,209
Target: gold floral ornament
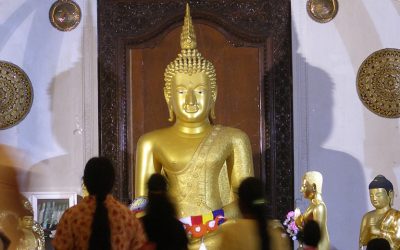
378,83
16,95
65,15
322,11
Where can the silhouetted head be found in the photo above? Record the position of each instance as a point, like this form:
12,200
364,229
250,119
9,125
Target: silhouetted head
311,233
252,206
251,195
159,205
157,184
99,176
378,244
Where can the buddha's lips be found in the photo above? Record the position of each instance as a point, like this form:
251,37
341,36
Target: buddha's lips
191,109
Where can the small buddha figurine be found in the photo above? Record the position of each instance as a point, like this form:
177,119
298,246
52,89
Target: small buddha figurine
193,153
312,190
384,221
32,233
29,240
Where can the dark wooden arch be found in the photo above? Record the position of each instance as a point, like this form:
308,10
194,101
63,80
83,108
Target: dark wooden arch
260,23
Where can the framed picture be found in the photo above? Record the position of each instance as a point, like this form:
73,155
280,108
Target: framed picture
49,207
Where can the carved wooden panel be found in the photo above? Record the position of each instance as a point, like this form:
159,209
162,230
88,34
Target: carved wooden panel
262,24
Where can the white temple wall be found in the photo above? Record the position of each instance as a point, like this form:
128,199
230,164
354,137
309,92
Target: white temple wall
334,133
51,145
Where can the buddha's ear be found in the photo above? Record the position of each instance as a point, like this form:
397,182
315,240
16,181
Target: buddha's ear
167,96
213,100
391,196
212,112
314,187
171,113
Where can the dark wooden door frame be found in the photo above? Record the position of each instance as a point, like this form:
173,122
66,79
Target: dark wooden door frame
126,23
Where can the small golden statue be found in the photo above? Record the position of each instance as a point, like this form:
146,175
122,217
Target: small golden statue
312,190
384,221
32,233
202,162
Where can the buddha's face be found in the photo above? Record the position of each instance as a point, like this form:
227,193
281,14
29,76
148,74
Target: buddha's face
27,222
191,97
379,198
308,189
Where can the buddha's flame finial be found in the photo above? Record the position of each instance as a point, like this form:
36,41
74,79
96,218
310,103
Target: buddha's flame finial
188,37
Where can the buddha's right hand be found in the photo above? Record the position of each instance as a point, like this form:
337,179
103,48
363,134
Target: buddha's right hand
138,204
299,221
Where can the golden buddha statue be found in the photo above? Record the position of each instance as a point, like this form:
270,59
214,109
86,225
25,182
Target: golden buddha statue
384,221
32,233
202,162
312,190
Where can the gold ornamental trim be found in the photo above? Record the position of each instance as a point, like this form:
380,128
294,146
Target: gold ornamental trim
16,94
322,11
378,82
65,15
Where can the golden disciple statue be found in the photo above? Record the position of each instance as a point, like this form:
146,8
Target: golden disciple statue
193,154
384,221
312,190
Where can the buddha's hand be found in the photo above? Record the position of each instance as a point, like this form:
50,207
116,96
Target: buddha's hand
138,204
374,228
299,221
375,231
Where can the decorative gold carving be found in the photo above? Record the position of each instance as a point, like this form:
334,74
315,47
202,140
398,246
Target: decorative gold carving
16,94
322,11
378,82
65,15
37,228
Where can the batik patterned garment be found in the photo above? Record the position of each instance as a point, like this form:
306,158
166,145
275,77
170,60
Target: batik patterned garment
74,229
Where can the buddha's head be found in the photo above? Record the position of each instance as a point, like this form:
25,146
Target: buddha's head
26,219
190,81
26,222
381,192
312,184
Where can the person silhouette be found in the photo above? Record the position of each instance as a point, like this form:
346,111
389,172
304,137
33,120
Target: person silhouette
99,222
160,223
254,231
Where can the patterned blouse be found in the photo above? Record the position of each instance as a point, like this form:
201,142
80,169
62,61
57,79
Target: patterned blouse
73,231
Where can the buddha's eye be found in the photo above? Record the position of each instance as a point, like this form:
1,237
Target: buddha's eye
200,91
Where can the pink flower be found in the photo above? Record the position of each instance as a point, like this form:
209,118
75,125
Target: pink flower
290,224
290,214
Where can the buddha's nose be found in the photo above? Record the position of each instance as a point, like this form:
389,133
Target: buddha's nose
191,98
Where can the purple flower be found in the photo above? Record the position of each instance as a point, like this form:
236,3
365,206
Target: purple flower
290,224
290,214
